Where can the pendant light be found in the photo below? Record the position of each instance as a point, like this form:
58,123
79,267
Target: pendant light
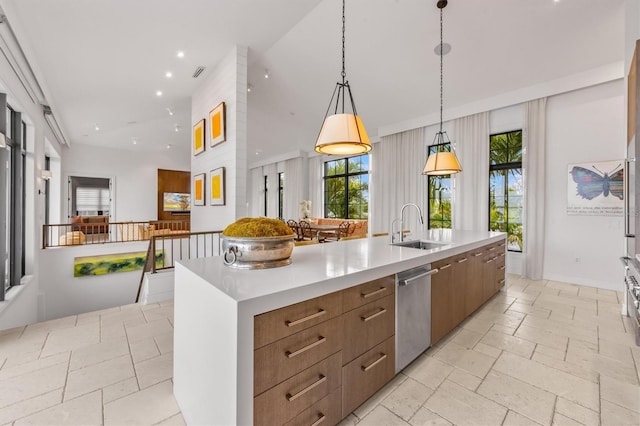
342,133
442,162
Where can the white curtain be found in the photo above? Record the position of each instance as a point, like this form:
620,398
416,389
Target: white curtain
316,173
256,203
396,179
471,186
533,165
293,188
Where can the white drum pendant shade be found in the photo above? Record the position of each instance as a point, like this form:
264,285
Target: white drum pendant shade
442,163
343,134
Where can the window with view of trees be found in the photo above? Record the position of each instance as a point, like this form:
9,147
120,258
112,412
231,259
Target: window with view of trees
506,188
346,188
280,193
439,213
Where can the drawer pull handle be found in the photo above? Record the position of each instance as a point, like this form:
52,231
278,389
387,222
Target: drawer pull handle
492,249
489,261
501,281
321,339
372,316
318,382
502,245
320,419
374,363
477,254
305,319
501,268
462,260
373,293
502,254
448,265
494,257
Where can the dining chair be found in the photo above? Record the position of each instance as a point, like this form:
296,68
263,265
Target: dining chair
344,229
305,230
295,228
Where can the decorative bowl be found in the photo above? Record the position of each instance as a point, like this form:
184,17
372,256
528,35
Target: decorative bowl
256,252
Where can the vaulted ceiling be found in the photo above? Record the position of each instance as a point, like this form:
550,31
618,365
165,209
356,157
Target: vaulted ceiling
101,62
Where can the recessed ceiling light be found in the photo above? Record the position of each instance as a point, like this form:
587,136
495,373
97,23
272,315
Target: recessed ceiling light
168,74
97,127
169,146
249,87
169,111
159,93
180,54
177,128
135,141
266,73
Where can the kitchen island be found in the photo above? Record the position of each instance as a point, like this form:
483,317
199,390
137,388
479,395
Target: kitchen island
215,307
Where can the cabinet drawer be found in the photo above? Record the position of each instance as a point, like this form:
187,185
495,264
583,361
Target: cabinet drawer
275,325
282,403
362,377
368,292
367,326
326,412
286,357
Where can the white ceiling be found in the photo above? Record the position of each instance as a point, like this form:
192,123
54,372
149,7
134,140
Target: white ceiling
102,61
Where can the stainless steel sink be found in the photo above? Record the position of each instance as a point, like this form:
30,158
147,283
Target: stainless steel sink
422,245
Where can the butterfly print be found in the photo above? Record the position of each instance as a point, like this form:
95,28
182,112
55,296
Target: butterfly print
591,184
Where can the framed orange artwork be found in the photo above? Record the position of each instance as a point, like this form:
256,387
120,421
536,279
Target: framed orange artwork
217,187
198,137
198,189
217,124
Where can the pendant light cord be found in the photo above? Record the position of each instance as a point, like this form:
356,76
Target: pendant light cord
441,73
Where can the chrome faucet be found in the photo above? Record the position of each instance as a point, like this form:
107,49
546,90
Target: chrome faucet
401,233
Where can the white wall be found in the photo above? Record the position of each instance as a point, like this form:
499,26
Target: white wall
226,83
135,174
587,125
61,294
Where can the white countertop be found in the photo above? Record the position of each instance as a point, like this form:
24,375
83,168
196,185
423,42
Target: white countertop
322,268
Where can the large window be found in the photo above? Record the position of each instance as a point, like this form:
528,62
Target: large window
506,188
12,196
346,188
280,194
439,213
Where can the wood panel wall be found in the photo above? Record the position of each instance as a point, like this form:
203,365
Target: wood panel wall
172,181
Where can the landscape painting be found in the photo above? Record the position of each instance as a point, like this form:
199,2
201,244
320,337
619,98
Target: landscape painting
110,263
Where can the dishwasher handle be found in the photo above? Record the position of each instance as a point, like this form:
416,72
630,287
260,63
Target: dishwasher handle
407,281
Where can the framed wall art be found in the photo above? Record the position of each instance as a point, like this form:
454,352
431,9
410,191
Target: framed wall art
198,189
198,137
217,186
217,124
596,189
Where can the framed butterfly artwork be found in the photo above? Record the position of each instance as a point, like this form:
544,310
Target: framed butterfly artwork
596,188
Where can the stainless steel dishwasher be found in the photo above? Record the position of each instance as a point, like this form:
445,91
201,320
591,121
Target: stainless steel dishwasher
413,312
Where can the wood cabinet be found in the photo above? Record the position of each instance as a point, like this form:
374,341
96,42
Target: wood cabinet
442,301
463,283
304,352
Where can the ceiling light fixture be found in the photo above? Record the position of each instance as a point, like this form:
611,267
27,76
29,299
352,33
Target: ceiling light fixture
249,87
168,74
266,73
159,93
342,133
97,127
169,111
169,146
177,128
135,141
180,54
442,162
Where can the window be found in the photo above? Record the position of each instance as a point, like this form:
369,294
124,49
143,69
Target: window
439,213
280,194
12,194
506,188
90,196
266,192
346,188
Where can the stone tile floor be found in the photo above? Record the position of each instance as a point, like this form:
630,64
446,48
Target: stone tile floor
542,353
